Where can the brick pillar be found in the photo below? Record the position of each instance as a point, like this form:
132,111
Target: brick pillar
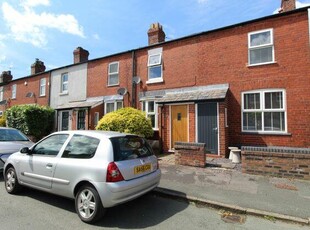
191,154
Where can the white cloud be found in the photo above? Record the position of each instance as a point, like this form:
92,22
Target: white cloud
33,3
96,36
31,27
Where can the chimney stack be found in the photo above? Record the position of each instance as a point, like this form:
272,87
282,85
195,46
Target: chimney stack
37,67
287,5
156,34
6,77
80,55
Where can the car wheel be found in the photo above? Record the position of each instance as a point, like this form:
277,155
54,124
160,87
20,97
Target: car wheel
11,182
88,204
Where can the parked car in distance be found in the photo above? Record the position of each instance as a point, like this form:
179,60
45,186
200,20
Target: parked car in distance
96,168
11,141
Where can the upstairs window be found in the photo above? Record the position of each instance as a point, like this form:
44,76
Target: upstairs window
261,47
64,83
264,111
155,70
113,78
1,93
14,88
42,86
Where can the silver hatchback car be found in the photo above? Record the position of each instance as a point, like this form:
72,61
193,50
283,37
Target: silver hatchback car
98,169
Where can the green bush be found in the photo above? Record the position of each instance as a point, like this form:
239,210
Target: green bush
127,120
33,120
2,121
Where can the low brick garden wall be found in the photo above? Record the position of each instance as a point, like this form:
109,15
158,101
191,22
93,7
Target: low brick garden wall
190,154
277,161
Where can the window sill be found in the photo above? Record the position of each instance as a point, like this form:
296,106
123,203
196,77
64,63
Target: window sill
260,64
113,85
266,133
154,81
63,94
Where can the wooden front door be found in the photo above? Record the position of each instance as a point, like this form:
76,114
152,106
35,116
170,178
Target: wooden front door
179,124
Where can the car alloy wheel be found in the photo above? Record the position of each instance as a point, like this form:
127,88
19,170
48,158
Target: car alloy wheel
11,183
88,205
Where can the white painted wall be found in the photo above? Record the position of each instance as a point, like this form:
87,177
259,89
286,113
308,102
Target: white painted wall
77,85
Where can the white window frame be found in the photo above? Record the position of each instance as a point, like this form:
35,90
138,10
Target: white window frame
14,90
263,110
152,53
64,83
1,93
115,105
271,44
96,119
42,86
145,108
113,73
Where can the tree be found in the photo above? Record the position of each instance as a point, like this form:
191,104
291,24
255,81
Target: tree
127,120
33,120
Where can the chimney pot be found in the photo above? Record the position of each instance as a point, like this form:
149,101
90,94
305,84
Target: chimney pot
80,55
156,34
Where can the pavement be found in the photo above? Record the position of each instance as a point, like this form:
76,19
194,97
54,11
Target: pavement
221,184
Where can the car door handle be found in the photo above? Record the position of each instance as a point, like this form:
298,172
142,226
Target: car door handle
49,165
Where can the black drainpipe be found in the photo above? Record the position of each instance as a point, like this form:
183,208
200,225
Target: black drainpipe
134,91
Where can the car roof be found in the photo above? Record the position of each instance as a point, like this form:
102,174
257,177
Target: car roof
95,133
8,128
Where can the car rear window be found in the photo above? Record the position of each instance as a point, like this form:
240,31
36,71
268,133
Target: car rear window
130,147
12,135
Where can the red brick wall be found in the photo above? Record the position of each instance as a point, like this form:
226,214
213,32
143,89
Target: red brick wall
33,85
222,56
97,77
277,162
191,154
92,112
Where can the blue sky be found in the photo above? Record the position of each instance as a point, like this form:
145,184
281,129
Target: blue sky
51,29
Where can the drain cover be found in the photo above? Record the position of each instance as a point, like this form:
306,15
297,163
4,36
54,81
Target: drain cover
229,217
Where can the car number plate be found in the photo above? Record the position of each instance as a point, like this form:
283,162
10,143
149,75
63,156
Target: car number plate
142,168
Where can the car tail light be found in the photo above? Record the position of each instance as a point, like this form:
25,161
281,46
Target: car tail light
113,173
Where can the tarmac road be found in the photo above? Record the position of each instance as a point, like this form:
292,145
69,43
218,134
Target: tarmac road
37,210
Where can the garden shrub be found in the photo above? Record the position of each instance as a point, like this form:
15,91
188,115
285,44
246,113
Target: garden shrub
127,120
2,121
33,120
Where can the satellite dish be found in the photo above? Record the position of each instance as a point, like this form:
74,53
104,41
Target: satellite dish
122,91
136,80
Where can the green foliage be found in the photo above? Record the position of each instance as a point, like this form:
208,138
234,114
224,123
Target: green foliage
127,120
2,121
33,120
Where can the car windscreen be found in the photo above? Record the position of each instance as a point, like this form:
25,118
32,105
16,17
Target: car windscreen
12,135
130,147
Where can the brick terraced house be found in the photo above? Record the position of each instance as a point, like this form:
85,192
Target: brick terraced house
242,85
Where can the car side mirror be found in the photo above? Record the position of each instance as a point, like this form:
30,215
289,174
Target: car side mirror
25,150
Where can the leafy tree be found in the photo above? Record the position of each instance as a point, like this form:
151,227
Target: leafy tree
127,120
33,120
